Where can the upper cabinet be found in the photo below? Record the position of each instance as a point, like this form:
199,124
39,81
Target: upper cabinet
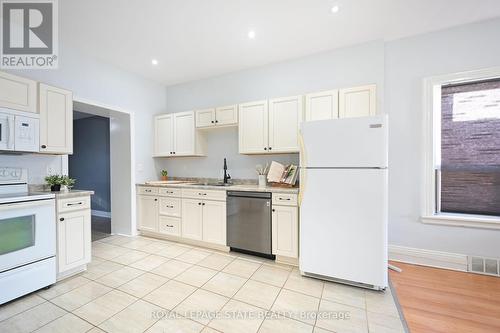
270,127
358,101
285,116
217,117
18,93
176,135
253,128
56,120
343,103
322,105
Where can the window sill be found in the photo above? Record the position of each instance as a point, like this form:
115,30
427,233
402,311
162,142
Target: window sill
463,220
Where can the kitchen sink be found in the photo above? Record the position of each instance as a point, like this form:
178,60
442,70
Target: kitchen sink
211,184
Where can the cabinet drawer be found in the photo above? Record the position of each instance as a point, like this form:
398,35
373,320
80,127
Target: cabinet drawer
72,204
170,207
170,225
170,192
204,194
147,190
286,199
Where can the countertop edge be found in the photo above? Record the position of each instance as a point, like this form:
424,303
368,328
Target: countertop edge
242,187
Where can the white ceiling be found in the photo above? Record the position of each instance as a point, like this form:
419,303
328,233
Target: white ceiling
194,39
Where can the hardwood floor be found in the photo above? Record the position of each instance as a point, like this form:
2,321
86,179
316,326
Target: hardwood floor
438,300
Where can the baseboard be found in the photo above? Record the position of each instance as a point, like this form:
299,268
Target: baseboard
101,213
431,258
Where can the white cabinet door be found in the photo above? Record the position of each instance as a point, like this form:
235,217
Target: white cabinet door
164,136
17,93
184,133
73,239
285,115
253,128
226,115
285,230
214,222
358,101
147,213
56,120
192,219
322,105
205,118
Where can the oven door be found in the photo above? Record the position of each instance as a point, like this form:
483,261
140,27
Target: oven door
6,131
27,233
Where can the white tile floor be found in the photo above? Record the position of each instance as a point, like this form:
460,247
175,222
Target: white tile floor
142,284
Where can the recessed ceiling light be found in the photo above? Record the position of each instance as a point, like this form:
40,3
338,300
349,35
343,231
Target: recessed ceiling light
154,62
335,9
251,34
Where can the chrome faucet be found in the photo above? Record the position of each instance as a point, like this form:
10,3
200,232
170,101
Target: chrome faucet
226,175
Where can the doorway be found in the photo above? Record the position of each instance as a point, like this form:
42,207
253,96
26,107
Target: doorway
90,166
103,159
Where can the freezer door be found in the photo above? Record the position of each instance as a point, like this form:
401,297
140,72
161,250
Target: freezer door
343,224
350,142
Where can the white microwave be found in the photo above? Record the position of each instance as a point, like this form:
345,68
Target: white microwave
19,132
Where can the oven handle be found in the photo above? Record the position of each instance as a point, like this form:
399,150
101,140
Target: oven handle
10,142
26,204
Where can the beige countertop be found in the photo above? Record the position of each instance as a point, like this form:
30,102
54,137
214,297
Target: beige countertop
236,187
69,194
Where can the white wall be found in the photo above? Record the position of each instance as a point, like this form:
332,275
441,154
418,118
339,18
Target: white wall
357,65
407,62
91,80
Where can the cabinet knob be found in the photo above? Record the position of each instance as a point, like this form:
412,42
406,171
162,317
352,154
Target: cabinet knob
199,203
265,148
216,121
174,153
212,121
61,219
203,204
270,148
156,199
273,210
44,146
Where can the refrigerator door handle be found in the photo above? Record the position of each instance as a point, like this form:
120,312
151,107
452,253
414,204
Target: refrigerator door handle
303,169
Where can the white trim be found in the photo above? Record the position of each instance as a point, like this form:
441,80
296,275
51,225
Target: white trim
431,139
101,213
431,258
463,220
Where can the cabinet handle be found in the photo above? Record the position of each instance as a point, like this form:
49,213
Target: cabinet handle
74,203
202,194
61,219
149,191
169,225
44,146
287,199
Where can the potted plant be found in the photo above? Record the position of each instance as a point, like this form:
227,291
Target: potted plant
55,182
164,175
68,182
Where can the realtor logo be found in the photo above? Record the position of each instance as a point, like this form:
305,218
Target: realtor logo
29,34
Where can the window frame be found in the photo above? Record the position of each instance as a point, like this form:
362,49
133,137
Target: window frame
432,150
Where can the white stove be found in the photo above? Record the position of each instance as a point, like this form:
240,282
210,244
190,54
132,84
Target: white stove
27,236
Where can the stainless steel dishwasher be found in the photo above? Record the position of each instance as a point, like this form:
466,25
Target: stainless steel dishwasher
249,222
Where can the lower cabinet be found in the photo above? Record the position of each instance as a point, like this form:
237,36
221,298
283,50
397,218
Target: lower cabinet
285,230
147,213
192,219
204,220
169,225
214,222
73,236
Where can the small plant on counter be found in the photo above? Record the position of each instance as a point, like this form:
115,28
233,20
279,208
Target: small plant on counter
164,175
55,182
69,182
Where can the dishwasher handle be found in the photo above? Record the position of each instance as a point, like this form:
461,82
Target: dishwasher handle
248,194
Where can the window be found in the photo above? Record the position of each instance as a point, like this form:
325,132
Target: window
463,149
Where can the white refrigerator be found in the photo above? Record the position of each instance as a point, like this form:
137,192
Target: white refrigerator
343,200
